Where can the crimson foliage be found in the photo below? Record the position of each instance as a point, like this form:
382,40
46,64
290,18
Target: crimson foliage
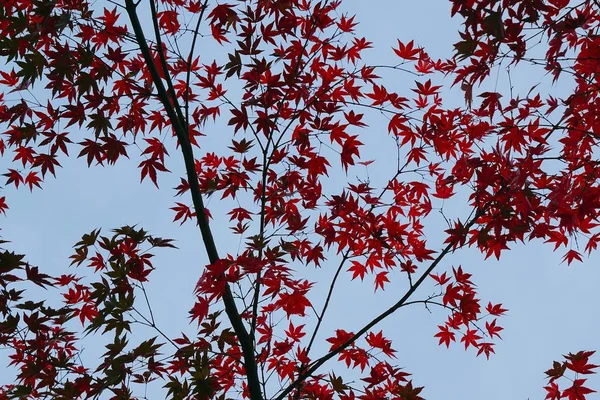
288,78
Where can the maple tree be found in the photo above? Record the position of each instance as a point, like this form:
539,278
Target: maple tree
289,80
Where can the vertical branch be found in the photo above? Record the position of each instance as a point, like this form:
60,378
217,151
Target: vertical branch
189,62
178,122
266,163
321,316
163,64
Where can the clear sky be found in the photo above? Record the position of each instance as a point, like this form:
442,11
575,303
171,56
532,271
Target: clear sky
553,307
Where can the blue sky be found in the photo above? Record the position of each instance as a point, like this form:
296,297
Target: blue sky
553,307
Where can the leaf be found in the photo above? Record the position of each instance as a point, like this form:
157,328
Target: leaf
93,150
557,370
337,383
75,114
14,177
89,239
381,279
495,309
493,329
572,255
149,168
408,51
578,362
200,310
3,205
358,270
465,49
470,338
100,124
445,335
32,179
493,25
160,242
577,391
168,21
30,305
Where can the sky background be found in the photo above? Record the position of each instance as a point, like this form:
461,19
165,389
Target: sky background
553,307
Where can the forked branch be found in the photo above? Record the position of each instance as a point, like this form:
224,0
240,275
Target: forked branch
180,127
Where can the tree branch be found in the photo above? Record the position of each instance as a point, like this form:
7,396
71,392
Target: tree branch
207,237
318,363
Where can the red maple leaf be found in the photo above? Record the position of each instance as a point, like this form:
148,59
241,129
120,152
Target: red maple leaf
445,335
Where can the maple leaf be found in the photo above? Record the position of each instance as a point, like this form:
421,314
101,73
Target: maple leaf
409,392
93,150
426,89
346,24
295,333
557,370
572,255
440,279
294,302
341,337
350,150
75,114
495,309
444,188
87,312
47,162
358,270
113,148
32,179
578,362
379,95
485,348
25,154
156,149
379,342
9,78
461,277
200,310
577,391
149,168
407,51
470,338
493,329
3,205
182,212
554,392
14,177
168,21
451,295
99,123
380,280
445,335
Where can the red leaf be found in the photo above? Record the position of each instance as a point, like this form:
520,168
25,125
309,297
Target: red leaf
3,205
381,279
493,329
32,180
200,310
13,177
572,255
149,168
168,21
445,335
577,391
408,51
495,309
486,348
470,338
